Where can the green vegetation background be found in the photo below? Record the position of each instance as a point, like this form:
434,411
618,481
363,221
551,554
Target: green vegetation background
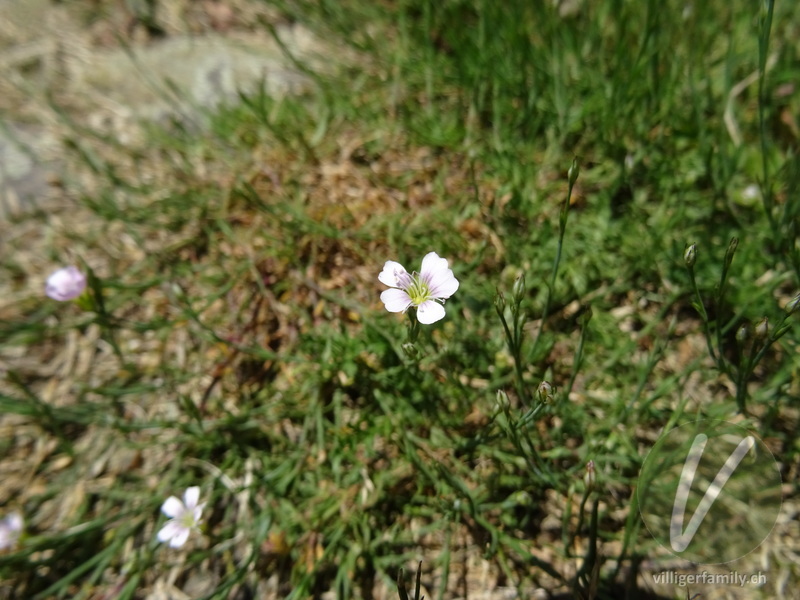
243,347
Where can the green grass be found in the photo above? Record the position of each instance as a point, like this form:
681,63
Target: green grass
243,347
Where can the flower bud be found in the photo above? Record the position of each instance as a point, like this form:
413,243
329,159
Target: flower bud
734,243
793,305
590,478
520,498
518,290
762,329
574,171
502,400
65,284
545,392
743,333
585,317
500,303
690,255
412,352
629,162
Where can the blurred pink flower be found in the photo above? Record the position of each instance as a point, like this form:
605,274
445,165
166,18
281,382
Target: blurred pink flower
184,517
10,530
435,282
65,284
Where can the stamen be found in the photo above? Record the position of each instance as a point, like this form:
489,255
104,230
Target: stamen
418,290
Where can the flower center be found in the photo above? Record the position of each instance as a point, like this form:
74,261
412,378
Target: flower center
187,519
418,290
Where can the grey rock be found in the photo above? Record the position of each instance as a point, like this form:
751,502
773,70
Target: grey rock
47,56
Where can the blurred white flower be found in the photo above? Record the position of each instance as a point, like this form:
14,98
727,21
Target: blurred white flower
65,284
751,192
184,517
10,530
435,281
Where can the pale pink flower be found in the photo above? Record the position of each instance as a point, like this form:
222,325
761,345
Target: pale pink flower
184,517
65,284
10,530
426,290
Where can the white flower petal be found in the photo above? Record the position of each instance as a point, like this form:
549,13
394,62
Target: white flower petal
391,272
169,531
14,521
443,284
430,312
179,539
191,496
395,300
439,277
172,507
10,530
198,513
433,263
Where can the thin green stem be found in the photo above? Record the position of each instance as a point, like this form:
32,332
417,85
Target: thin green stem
562,228
513,341
703,315
576,364
763,51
